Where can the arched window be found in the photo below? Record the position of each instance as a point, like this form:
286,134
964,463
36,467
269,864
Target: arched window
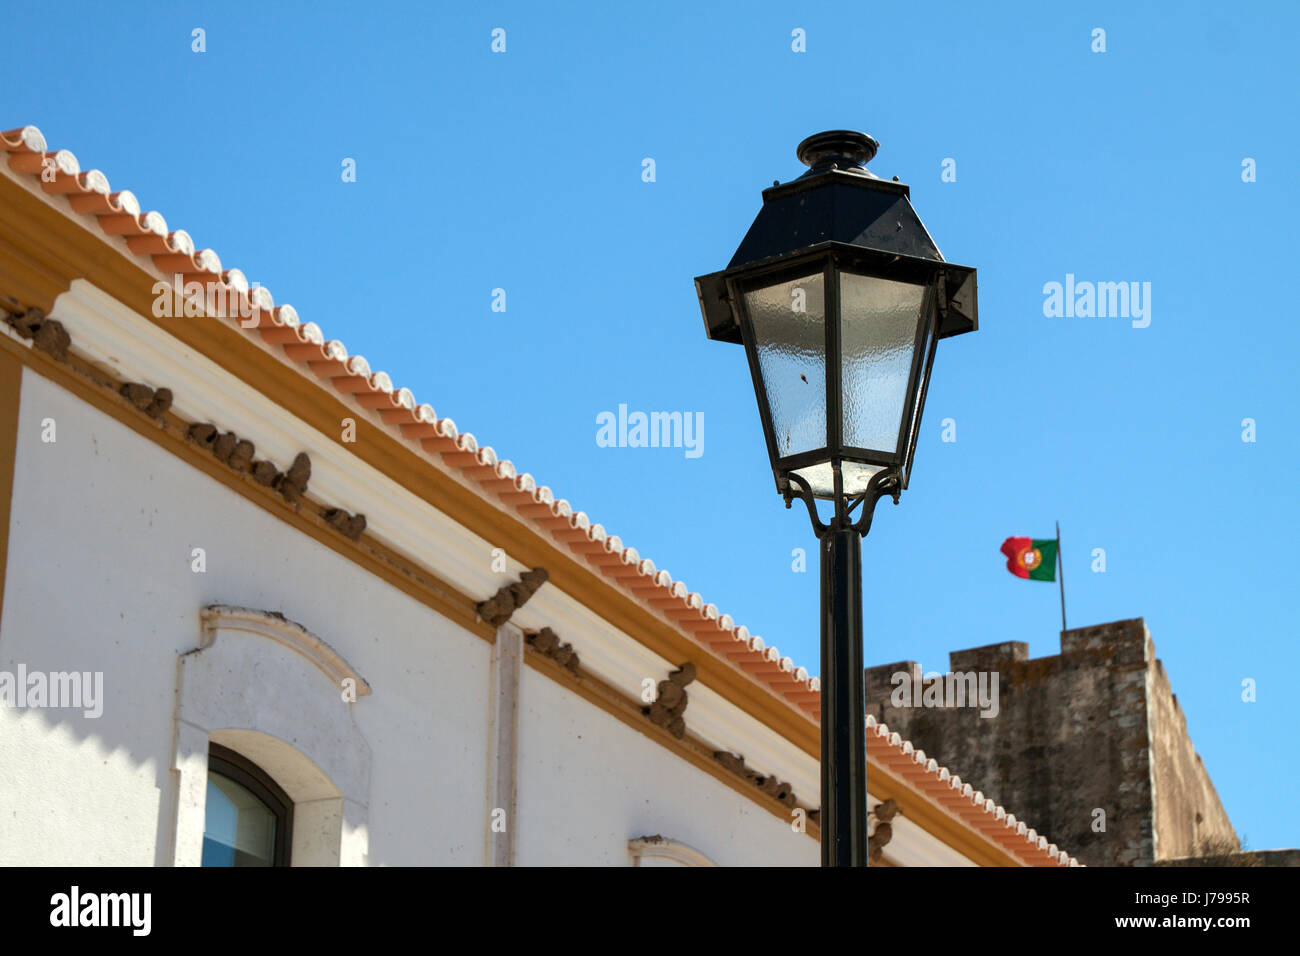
248,817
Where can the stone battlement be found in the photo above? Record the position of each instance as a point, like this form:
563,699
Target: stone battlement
1090,744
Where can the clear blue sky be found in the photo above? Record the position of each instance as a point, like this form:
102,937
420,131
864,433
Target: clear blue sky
523,170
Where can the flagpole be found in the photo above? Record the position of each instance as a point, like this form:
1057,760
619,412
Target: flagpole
1060,563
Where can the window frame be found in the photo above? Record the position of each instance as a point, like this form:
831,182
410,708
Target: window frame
235,766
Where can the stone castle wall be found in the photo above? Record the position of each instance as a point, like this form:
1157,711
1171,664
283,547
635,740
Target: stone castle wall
1092,735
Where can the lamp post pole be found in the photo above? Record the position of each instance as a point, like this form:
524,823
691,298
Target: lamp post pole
844,712
843,696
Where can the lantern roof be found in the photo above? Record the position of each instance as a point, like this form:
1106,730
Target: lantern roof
838,204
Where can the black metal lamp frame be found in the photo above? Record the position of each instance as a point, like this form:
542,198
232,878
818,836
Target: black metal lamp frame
840,218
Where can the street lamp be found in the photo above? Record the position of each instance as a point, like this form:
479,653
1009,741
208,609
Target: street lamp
839,296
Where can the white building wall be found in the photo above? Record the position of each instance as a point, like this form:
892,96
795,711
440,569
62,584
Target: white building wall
588,784
103,525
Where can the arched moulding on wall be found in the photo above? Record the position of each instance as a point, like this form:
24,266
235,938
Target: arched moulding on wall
269,689
277,627
661,851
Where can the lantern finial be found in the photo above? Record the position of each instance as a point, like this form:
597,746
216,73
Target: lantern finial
843,149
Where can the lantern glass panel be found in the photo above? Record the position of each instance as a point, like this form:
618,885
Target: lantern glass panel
855,476
788,320
878,327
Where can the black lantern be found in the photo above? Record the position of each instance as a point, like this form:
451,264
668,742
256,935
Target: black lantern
839,296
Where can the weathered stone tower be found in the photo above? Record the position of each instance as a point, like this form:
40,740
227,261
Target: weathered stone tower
1093,728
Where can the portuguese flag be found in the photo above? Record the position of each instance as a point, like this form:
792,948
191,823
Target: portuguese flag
1033,558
